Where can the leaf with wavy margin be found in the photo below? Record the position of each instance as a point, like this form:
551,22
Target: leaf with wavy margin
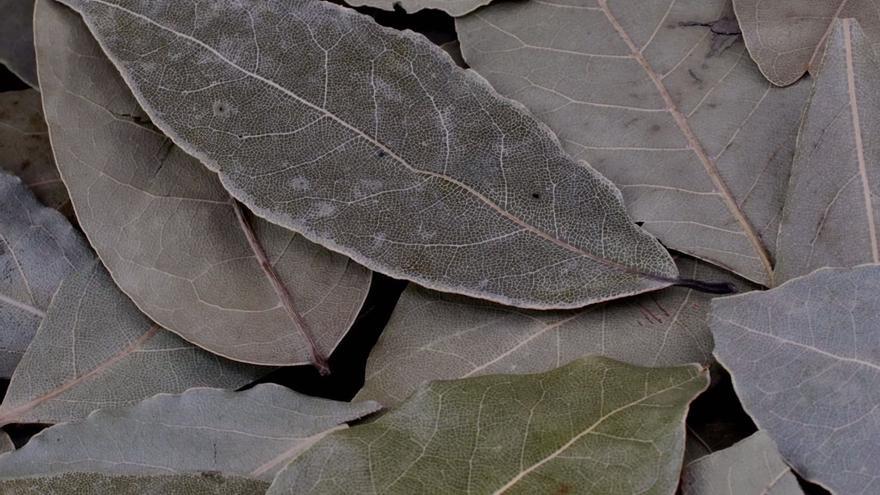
750,467
371,142
787,38
170,235
434,336
103,484
253,433
25,149
17,33
593,425
831,211
805,363
96,350
661,97
38,250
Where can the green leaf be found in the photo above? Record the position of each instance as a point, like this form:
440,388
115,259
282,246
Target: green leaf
371,142
103,484
252,433
804,361
594,425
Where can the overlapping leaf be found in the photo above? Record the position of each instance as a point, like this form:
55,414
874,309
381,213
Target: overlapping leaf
594,424
17,35
6,444
804,360
96,350
787,38
371,142
252,433
432,336
452,7
168,231
750,467
831,215
102,484
25,150
661,97
38,249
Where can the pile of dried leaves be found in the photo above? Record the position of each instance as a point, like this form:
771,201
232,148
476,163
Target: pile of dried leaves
198,195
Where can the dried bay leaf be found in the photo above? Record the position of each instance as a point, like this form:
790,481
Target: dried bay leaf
17,35
103,484
750,467
434,336
96,350
660,96
170,234
831,211
787,38
594,425
252,433
6,444
371,142
804,360
25,149
38,249
454,8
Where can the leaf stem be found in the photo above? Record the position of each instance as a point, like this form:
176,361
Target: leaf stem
318,359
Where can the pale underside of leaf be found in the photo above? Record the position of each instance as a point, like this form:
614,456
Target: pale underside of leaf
371,142
103,484
253,433
25,150
750,467
433,336
831,211
16,31
170,235
592,426
805,365
454,8
788,38
38,249
96,350
661,97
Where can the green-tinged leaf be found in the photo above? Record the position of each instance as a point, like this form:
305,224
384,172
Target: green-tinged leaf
804,359
252,433
96,350
787,38
371,142
17,39
433,336
661,97
452,7
167,230
103,484
592,426
751,467
832,215
38,249
25,150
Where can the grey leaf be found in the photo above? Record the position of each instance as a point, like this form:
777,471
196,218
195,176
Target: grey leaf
661,97
17,33
96,350
433,336
6,444
831,212
804,360
454,8
371,142
592,426
102,484
38,249
170,234
787,38
25,149
750,467
253,433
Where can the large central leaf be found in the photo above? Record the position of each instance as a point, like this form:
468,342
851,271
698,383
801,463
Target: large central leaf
371,142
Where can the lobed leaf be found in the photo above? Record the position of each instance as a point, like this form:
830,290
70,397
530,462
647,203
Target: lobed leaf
371,142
